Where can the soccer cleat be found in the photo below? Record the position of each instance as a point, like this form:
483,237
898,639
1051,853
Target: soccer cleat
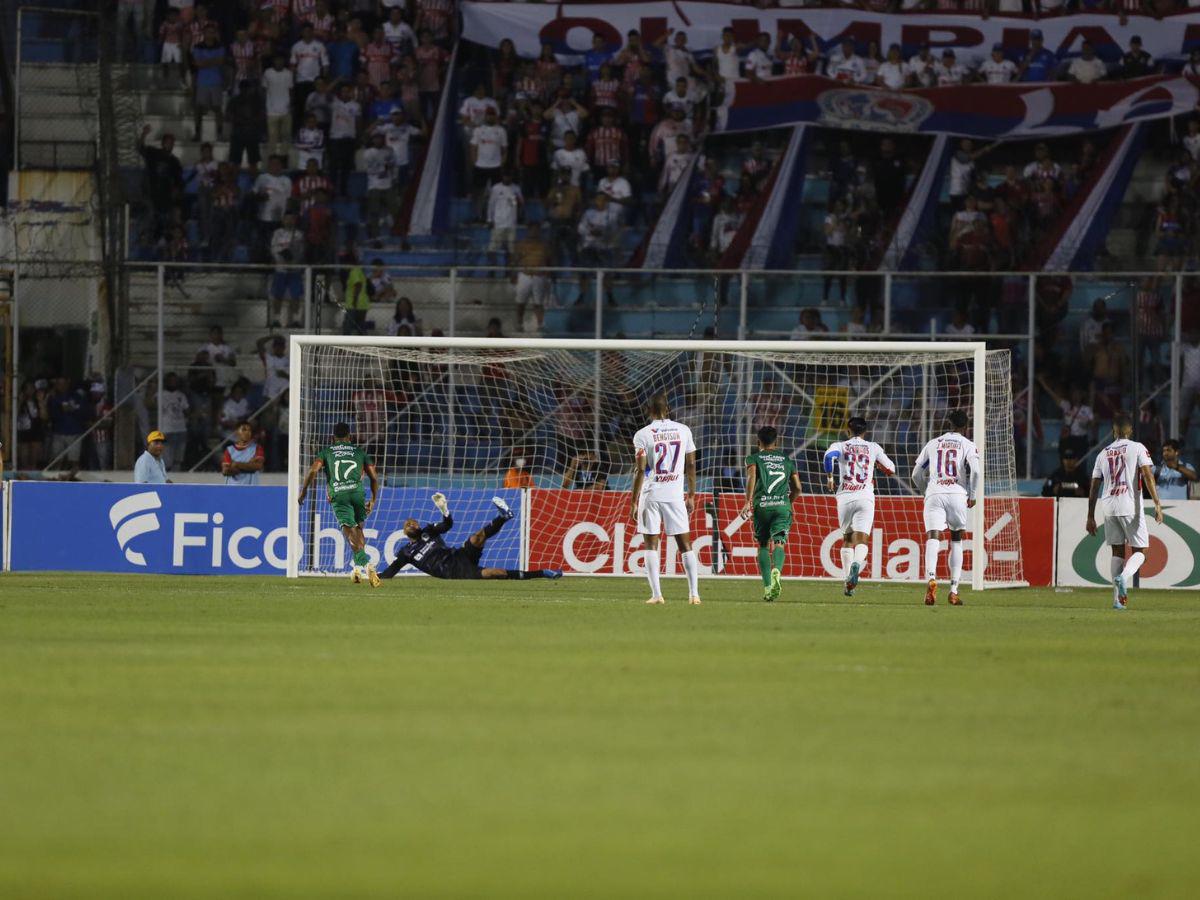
439,500
656,601
852,579
552,573
355,576
931,593
767,595
373,576
955,600
504,508
1119,603
776,585
693,601
1122,590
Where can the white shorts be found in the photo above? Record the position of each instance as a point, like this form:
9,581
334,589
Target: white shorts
171,53
1129,530
532,289
662,517
944,511
502,237
856,513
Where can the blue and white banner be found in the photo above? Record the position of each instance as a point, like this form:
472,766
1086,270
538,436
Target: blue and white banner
664,246
430,210
1087,219
775,234
217,530
918,215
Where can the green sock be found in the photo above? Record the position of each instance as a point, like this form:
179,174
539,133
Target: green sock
361,558
764,565
779,558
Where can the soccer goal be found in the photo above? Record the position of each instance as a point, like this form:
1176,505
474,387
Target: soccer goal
548,424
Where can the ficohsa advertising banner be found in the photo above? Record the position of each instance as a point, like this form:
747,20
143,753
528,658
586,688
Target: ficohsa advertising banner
1172,559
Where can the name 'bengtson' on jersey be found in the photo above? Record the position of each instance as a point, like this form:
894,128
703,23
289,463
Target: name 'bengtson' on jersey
952,462
1119,466
856,460
344,465
772,478
663,445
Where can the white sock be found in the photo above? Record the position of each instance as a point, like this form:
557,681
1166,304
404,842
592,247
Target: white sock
932,545
1132,565
652,569
860,556
691,568
847,558
1115,566
956,556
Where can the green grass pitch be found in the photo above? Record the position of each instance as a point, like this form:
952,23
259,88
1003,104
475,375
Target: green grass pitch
228,738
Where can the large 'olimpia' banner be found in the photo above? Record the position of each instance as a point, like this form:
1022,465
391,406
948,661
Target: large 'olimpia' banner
986,111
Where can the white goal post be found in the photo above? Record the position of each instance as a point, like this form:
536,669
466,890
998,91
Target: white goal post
550,417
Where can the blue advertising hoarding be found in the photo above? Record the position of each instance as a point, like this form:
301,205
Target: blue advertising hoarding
217,530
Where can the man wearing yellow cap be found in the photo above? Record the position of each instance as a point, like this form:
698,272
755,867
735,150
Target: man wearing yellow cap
150,468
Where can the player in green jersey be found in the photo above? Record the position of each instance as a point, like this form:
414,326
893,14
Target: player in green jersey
772,484
345,464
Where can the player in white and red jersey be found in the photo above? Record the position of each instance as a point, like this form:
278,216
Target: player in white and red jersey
949,469
1117,477
850,466
664,493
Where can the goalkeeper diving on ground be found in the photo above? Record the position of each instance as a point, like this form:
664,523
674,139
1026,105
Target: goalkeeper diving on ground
427,551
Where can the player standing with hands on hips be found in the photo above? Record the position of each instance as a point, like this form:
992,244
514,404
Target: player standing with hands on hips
1117,478
664,456
949,470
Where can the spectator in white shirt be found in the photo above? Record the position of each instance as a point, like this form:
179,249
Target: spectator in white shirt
398,33
309,61
996,69
598,231
675,164
683,98
760,62
921,69
617,188
1087,68
310,143
173,407
273,189
810,327
565,115
726,54
504,206
725,227
379,162
398,134
222,357
1042,166
680,61
276,367
959,326
846,65
277,87
891,71
345,121
572,158
236,408
1191,140
949,70
287,249
487,152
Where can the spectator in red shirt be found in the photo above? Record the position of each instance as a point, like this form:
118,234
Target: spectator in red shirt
531,151
607,143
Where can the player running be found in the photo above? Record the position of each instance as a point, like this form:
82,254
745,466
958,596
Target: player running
948,468
427,551
772,486
345,464
856,460
1117,478
664,456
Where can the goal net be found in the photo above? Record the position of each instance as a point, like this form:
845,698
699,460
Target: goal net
548,426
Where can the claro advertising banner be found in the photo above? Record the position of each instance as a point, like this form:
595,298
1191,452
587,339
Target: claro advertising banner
592,532
1172,559
218,530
